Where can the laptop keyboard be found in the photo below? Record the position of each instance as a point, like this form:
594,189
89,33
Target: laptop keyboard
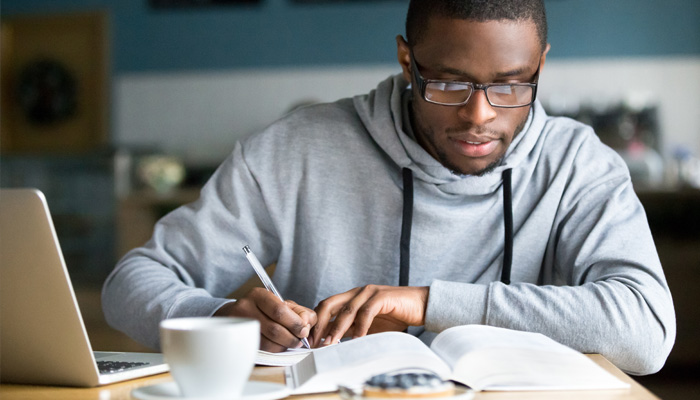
110,367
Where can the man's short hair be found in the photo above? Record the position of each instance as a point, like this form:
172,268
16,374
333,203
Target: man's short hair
420,12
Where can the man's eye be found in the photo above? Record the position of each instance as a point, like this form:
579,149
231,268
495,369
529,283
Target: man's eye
449,87
503,89
454,87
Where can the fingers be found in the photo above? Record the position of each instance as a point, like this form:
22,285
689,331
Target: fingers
282,324
353,313
371,308
326,312
274,337
357,313
307,315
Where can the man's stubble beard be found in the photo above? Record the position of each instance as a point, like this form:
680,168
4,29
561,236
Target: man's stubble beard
422,131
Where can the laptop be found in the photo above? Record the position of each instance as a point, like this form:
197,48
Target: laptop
42,336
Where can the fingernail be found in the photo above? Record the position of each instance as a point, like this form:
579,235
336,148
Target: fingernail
305,331
328,340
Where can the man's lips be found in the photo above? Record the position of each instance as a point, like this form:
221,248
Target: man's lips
475,147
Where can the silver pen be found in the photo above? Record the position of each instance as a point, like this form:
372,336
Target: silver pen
266,280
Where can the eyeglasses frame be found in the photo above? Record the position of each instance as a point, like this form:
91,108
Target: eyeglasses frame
423,83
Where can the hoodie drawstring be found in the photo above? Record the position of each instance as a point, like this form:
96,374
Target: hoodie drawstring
407,222
508,223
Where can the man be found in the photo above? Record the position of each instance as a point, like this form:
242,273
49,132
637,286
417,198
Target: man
455,200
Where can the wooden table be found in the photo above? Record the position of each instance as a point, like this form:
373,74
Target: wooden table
275,374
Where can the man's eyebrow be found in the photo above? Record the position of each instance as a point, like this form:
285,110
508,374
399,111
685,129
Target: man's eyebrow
513,72
499,75
452,71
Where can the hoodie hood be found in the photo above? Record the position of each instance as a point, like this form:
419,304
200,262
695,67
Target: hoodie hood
384,112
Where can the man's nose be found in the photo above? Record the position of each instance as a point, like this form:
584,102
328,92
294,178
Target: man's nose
478,111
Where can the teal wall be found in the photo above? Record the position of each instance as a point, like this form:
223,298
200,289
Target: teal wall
281,33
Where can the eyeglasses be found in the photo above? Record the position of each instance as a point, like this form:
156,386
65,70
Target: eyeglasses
454,93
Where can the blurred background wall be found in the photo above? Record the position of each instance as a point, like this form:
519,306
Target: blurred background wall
185,82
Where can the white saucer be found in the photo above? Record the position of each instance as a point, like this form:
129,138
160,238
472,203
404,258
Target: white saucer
254,390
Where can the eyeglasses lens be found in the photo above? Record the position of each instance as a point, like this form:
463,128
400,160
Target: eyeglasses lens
498,95
447,93
510,95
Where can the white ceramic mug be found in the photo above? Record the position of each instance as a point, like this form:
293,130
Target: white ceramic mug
210,357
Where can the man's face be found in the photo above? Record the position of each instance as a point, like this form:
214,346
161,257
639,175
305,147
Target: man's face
473,138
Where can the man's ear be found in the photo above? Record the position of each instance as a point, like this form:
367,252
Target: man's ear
543,57
403,53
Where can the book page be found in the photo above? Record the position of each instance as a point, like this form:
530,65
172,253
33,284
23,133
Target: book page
286,358
453,343
489,358
353,362
283,359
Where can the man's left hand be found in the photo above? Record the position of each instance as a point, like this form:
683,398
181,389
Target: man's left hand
369,309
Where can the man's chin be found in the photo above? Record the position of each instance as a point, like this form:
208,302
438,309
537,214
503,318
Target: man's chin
489,168
473,170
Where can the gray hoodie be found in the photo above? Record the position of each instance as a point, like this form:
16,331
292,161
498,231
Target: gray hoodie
320,193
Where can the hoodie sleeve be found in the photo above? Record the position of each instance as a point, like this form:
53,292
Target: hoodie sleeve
194,258
614,300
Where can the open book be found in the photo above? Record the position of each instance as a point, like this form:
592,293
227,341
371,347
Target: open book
283,359
481,357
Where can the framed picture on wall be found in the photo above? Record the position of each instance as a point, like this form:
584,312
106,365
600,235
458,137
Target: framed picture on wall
55,83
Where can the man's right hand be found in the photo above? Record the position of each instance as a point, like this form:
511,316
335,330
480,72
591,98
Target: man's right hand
282,323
